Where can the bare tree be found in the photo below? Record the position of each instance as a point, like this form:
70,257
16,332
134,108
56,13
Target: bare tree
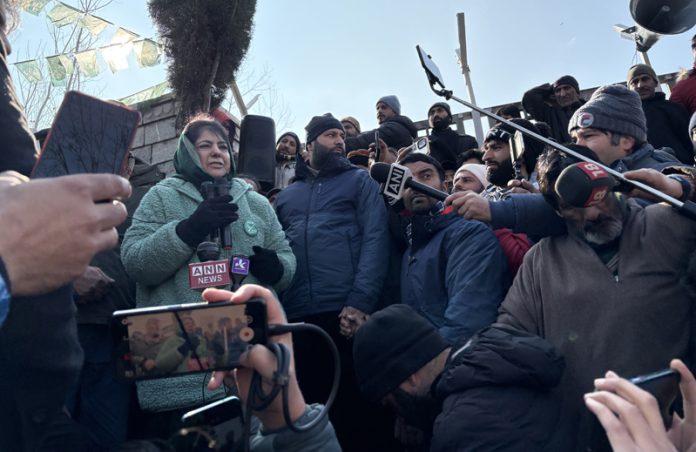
41,99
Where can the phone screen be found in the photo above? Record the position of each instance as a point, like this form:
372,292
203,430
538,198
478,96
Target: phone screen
177,340
88,135
664,386
430,67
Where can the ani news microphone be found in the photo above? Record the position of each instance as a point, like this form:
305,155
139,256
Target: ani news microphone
584,184
396,178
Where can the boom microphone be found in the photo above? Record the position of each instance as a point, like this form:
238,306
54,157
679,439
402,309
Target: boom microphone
584,184
396,178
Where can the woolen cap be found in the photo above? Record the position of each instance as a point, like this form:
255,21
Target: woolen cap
319,124
392,102
640,69
567,80
444,105
392,345
613,108
353,121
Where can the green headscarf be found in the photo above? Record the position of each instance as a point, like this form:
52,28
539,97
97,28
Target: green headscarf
187,163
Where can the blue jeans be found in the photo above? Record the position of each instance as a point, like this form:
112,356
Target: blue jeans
99,402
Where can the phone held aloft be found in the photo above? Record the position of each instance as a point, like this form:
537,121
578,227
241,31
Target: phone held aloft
177,340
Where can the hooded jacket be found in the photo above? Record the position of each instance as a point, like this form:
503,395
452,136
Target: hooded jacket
453,273
397,132
336,222
157,259
496,392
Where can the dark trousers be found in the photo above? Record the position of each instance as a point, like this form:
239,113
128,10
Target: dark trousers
99,402
359,426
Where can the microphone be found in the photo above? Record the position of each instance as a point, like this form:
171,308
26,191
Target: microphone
584,184
396,178
221,187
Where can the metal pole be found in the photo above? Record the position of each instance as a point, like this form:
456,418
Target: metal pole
476,118
238,99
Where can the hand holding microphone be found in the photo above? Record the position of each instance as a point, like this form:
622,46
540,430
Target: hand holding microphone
265,266
211,214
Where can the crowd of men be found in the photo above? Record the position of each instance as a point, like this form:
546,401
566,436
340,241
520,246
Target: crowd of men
498,319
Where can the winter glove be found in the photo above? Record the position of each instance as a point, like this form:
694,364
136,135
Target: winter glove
265,265
210,214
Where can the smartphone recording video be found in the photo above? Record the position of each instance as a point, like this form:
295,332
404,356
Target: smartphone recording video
177,340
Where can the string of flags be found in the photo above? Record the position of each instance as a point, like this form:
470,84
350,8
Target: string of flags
60,67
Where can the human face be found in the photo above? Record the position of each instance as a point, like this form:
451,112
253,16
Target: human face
287,145
437,117
565,95
331,140
600,142
214,154
350,129
465,180
449,177
384,112
644,85
496,157
425,173
597,225
418,409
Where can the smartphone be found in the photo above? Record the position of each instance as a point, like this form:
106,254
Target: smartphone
664,386
88,135
517,149
421,145
377,147
219,422
183,339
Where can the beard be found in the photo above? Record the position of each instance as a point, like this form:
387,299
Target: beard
605,229
320,155
418,411
500,174
440,123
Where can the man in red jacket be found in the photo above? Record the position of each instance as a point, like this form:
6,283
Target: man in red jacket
684,92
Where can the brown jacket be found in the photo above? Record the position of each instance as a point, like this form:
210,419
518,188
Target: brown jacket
633,323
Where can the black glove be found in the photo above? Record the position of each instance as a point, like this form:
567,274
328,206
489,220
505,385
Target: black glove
211,214
265,265
185,347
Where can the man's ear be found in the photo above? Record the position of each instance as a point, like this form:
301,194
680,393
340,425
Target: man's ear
308,147
627,143
410,385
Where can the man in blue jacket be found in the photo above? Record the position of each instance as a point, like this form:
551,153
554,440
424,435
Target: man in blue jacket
336,222
454,272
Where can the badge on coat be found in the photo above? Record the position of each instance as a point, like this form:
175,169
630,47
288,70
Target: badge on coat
250,228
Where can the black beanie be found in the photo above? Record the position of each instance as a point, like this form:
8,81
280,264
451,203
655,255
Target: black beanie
292,134
393,344
532,147
567,80
444,105
320,124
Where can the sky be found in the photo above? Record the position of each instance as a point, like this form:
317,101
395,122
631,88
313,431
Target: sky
341,56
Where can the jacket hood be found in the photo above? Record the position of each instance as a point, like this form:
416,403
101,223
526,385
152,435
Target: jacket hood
187,163
406,122
503,356
336,163
646,156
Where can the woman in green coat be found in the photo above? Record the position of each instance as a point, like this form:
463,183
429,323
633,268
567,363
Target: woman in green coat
173,219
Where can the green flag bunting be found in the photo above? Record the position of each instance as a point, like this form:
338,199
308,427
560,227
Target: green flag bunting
95,25
30,70
59,67
116,56
147,52
33,7
87,63
62,15
146,94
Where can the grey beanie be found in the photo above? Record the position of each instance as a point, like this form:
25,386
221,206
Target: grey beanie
392,102
613,108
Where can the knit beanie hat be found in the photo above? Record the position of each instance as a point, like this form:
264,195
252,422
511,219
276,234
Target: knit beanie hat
567,80
353,121
613,108
444,105
479,172
319,124
393,344
392,102
294,136
640,69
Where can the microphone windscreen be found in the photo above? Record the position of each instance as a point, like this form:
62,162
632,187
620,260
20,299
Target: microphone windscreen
379,171
583,184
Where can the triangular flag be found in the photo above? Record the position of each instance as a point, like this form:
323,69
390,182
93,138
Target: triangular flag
59,67
33,7
62,15
30,70
116,56
147,53
146,94
95,25
122,36
87,63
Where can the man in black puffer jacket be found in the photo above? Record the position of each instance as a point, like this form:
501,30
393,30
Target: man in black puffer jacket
396,130
490,392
